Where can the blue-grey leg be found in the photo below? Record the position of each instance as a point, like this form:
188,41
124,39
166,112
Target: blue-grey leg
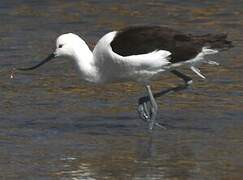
147,106
147,109
143,110
153,109
187,79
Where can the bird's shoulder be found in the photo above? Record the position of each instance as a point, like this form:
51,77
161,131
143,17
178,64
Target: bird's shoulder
103,45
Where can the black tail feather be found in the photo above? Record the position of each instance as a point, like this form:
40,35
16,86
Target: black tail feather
215,41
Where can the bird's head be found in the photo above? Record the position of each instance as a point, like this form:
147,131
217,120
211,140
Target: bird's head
66,46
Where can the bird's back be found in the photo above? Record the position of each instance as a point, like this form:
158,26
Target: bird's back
145,39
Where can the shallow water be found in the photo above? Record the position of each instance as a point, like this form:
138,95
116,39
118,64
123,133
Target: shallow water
54,127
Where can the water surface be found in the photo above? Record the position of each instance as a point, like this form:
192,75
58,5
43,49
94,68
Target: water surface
54,127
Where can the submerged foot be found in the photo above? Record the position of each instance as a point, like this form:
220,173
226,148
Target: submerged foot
147,114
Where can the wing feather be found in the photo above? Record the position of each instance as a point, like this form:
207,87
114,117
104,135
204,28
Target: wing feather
146,39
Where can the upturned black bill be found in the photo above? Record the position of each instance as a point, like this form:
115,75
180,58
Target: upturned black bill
50,57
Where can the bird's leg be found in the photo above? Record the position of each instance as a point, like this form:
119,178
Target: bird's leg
187,79
145,106
153,108
143,111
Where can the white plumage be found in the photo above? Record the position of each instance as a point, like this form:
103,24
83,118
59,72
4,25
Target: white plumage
112,67
103,65
109,62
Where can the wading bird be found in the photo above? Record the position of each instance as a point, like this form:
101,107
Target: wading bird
139,54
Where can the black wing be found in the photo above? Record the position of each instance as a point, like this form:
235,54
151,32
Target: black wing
142,40
145,39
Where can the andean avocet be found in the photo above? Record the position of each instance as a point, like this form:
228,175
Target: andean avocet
139,54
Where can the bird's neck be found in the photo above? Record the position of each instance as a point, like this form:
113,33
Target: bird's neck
85,61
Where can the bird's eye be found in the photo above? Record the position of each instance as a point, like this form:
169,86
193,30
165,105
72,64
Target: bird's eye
60,46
